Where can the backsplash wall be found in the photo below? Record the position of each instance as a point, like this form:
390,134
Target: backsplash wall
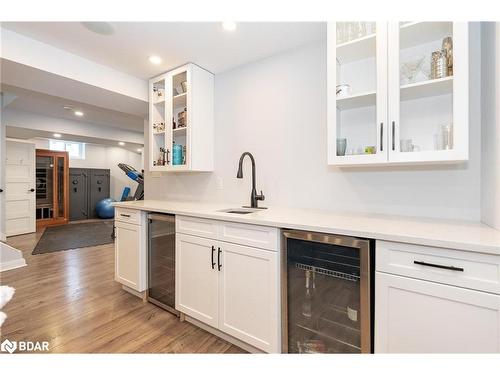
276,109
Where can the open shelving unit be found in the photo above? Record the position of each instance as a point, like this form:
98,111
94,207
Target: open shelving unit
182,125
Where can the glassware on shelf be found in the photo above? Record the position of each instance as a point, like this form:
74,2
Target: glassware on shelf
447,46
439,64
406,145
410,70
443,139
347,31
341,146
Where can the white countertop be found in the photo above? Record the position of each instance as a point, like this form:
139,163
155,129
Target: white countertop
463,235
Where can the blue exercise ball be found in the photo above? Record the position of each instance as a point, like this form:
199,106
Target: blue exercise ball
104,208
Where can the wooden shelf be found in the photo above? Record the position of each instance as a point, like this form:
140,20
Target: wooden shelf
433,87
158,133
180,100
357,49
364,99
414,33
160,102
180,130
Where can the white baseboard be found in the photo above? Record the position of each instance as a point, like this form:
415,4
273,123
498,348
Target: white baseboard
17,263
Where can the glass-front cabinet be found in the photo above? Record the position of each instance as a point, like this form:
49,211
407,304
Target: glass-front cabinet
181,120
397,92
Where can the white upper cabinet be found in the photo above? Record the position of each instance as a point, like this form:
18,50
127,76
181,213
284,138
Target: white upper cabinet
397,92
181,120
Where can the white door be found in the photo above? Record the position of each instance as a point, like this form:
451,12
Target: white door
196,278
249,295
127,255
357,93
428,114
415,316
20,187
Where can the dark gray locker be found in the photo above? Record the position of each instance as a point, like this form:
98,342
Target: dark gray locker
98,188
78,194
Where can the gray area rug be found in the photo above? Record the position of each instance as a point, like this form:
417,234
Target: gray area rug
74,236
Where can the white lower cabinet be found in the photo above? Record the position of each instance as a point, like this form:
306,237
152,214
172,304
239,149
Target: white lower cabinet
196,278
416,316
230,287
130,255
248,295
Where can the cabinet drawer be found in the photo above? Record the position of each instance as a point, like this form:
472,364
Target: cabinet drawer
196,226
447,266
250,235
128,216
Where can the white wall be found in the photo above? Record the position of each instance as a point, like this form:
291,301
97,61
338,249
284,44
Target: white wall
490,99
276,109
97,156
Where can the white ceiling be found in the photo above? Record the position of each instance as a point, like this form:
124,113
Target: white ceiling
204,43
36,102
22,133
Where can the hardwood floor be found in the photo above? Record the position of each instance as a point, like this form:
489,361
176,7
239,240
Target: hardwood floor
70,299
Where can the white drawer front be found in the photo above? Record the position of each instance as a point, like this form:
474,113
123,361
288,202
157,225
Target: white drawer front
128,216
250,235
196,226
468,269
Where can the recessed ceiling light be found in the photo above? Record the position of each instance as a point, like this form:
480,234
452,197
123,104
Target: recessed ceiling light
79,113
155,59
68,108
102,28
57,135
121,143
229,25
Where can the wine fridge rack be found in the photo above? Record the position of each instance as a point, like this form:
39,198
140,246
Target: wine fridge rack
326,272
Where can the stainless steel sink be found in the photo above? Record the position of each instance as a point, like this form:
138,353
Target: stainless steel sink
240,211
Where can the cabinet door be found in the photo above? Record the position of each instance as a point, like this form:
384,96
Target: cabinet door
130,255
196,278
428,102
249,295
357,93
415,316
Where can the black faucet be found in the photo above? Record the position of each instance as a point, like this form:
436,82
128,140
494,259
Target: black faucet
254,197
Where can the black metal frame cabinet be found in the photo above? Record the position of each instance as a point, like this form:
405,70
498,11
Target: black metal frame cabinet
87,186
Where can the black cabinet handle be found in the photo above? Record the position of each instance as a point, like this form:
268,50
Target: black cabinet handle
219,265
32,190
393,135
124,215
1,190
213,263
381,136
451,268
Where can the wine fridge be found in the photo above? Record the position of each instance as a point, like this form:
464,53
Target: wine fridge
161,261
327,292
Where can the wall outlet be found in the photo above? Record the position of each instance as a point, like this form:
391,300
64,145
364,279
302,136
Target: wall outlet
220,183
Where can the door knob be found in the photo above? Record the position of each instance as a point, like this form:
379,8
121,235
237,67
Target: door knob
1,190
32,190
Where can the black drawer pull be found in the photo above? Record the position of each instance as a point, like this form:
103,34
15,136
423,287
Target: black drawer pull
451,268
125,215
213,263
219,265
